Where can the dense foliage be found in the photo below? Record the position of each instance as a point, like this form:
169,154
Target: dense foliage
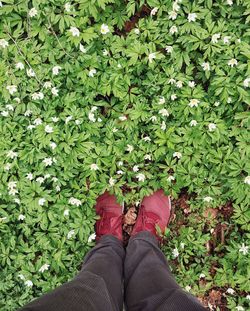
127,96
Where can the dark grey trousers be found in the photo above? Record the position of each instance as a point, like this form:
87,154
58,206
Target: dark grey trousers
148,283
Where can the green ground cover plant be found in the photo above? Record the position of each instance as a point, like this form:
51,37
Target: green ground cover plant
128,96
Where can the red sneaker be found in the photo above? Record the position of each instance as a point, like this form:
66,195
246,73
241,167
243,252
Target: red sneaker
111,216
154,210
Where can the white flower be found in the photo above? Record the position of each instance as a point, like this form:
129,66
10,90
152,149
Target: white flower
58,188
53,145
141,177
230,291
92,72
202,275
38,121
135,168
68,119
215,37
31,127
147,157
12,89
247,180
48,161
28,283
112,181
182,245
173,30
16,200
243,249
191,84
170,178
239,308
21,276
70,234
192,17
67,7
130,148
205,66
33,12
20,66
66,212
3,43
177,155
11,154
104,29
74,201
30,72
74,31
193,123
162,100
91,237
44,267
105,52
137,31
176,6
217,104
226,39
146,138
55,119
175,253
40,180
169,49
38,95
154,11
29,176
173,96
55,70
172,15
164,112
230,2
193,102
21,217
211,127
94,167
120,172
188,288
5,113
246,82
229,100
41,201
179,84
171,81
54,91
153,118
207,199
163,125
151,56
12,185
82,48
7,166
48,129
18,100
248,297
120,163
122,118
232,62
47,176
10,107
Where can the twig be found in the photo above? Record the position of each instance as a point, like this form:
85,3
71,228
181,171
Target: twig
51,28
22,54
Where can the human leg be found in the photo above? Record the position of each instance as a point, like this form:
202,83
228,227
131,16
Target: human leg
99,284
149,284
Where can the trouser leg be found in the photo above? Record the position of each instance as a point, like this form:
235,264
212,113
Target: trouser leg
98,286
149,283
